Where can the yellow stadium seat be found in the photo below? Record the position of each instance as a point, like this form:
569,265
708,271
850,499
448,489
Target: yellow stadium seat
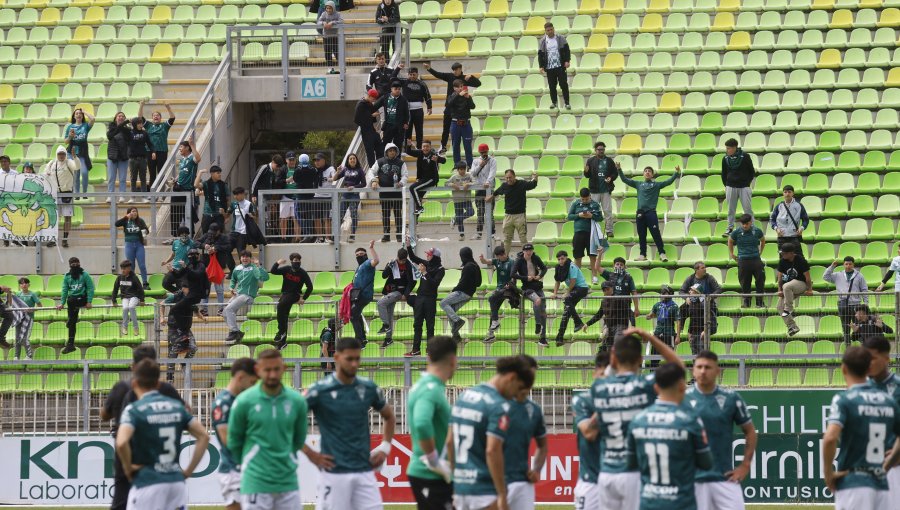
830,59
83,35
37,4
458,47
94,16
670,102
890,17
589,7
893,78
162,53
49,17
723,22
613,63
103,3
452,10
598,43
212,2
534,26
631,144
740,41
81,3
606,24
869,4
161,15
841,18
729,6
661,6
613,7
61,73
498,9
6,93
652,23
87,107
823,4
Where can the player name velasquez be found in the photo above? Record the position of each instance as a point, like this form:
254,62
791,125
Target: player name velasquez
621,402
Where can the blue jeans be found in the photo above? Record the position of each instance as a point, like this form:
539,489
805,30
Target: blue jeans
135,250
463,209
81,177
116,169
461,133
220,294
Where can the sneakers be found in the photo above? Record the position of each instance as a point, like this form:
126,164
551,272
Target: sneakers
793,331
456,327
5,344
442,150
663,257
130,201
399,238
787,314
553,106
559,341
568,106
495,325
352,238
108,199
385,238
728,231
543,342
760,303
538,329
123,330
452,221
476,237
419,210
595,280
412,354
490,337
234,337
384,329
641,258
146,286
462,237
204,312
220,312
65,350
280,341
387,341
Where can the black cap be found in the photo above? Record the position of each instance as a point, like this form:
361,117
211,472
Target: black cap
396,83
320,155
290,155
528,246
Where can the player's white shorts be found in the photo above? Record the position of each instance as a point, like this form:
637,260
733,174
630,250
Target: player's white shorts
342,491
719,496
159,496
464,502
587,495
520,496
893,477
230,483
272,501
620,491
286,208
861,498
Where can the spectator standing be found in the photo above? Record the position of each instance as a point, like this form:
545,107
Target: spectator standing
388,16
217,244
668,320
132,293
322,218
216,194
424,305
460,104
380,78
554,58
7,316
601,171
484,171
76,139
789,219
419,97
136,232
138,149
246,279
469,281
647,199
588,236
851,288
184,181
119,135
460,182
306,177
396,116
390,173
354,177
366,116
178,258
23,327
294,279
709,289
77,293
328,21
793,280
328,343
240,210
737,174
363,290
623,286
456,73
159,140
865,324
531,270
893,270
514,208
62,173
288,208
270,176
428,166
750,241
578,288
693,313
615,314
503,267
398,284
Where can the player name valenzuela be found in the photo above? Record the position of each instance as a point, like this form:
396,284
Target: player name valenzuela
656,433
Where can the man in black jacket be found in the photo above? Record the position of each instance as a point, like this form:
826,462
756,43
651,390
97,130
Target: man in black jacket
615,313
387,14
390,173
554,58
737,174
864,324
380,77
425,302
398,283
365,117
294,279
455,74
269,176
460,106
469,281
514,209
193,277
428,166
396,117
601,171
530,270
416,92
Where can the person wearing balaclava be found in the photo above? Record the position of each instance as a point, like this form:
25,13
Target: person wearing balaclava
390,173
77,293
193,276
363,289
623,286
294,280
530,269
398,284
469,281
424,302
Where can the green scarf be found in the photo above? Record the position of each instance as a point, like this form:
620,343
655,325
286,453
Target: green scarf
734,162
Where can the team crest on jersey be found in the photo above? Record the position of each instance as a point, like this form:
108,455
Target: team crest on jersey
258,408
530,409
361,391
503,424
334,394
693,403
720,399
287,408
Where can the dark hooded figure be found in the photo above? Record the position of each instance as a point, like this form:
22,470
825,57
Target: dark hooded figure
424,302
469,281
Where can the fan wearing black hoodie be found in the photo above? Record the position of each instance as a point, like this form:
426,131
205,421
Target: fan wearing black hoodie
469,281
425,302
389,173
380,77
294,279
398,283
456,74
530,269
416,92
428,166
365,117
194,278
388,15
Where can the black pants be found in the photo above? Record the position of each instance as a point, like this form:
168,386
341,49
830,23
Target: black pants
285,303
796,241
121,487
171,282
751,269
417,122
419,189
575,295
330,42
356,318
445,133
431,494
7,322
613,328
373,146
138,168
183,311
177,214
387,37
389,204
480,206
155,165
393,134
424,310
73,307
555,76
239,241
846,313
648,220
208,220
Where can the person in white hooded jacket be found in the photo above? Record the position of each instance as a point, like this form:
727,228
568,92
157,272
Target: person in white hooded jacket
61,173
390,172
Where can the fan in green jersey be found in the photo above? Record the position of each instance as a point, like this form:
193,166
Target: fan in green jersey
526,421
881,377
587,492
243,376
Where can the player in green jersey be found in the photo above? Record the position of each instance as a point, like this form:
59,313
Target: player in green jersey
148,444
429,419
668,444
721,409
617,399
861,419
882,378
587,492
526,421
266,427
341,403
478,426
243,376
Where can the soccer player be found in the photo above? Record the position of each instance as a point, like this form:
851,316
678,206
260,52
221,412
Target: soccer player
617,399
341,403
429,416
479,424
243,376
668,444
881,377
526,421
720,409
587,492
148,444
861,419
266,427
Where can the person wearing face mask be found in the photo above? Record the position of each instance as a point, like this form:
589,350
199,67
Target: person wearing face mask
425,302
363,289
623,286
77,293
469,281
390,173
398,284
193,276
178,258
530,269
294,279
647,198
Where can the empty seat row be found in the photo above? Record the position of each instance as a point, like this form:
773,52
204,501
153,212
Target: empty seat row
109,34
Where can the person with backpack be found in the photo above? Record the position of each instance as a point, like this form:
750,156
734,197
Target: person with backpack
469,281
530,270
789,219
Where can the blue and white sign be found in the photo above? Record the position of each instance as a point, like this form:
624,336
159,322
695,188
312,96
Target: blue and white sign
312,88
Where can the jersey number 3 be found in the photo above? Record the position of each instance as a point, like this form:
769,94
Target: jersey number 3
169,450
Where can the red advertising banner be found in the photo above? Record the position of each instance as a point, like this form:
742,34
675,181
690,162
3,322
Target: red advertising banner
557,478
